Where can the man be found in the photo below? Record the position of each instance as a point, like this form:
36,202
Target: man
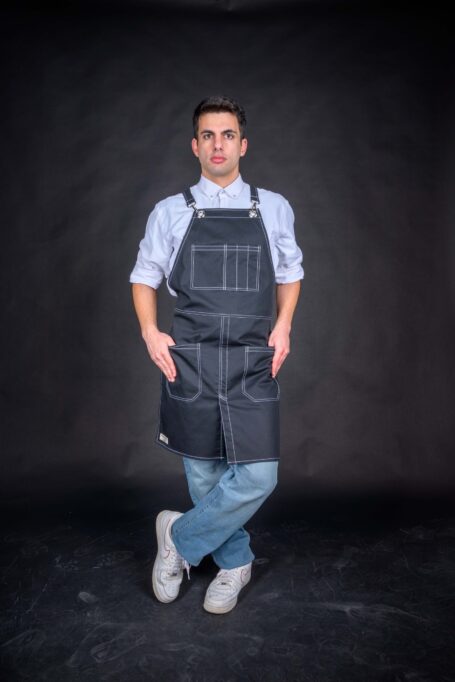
228,251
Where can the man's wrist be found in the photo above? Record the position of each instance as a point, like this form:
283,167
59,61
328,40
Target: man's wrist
283,323
149,331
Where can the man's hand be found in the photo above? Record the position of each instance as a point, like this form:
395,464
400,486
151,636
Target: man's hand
279,338
286,299
145,304
158,347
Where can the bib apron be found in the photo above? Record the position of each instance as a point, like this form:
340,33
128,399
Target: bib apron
224,402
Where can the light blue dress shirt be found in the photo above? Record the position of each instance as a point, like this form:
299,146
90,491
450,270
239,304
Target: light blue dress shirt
167,224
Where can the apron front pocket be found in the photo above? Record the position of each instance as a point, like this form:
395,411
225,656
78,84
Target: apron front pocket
208,266
257,381
230,267
188,381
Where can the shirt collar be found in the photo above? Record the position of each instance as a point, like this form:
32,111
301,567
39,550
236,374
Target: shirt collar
211,189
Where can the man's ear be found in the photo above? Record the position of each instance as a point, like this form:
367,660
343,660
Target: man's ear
243,146
194,147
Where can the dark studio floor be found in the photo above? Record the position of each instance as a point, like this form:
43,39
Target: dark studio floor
347,593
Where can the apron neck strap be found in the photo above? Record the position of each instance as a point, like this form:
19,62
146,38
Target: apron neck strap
254,194
190,200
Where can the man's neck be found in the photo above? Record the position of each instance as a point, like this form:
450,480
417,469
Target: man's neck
224,181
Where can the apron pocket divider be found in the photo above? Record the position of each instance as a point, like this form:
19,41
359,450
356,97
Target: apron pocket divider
228,267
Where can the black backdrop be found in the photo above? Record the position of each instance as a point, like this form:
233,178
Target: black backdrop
349,110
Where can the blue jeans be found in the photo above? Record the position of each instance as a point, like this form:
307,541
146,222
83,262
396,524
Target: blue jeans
225,497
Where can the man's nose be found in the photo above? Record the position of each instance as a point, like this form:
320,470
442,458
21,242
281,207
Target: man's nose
218,142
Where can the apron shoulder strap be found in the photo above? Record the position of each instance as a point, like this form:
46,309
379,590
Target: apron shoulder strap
190,200
254,194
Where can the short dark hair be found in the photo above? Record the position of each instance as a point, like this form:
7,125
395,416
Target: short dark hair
216,103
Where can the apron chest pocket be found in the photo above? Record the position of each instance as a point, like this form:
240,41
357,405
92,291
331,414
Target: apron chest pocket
229,267
257,382
188,381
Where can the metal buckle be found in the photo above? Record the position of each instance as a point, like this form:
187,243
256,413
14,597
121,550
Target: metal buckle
199,211
253,212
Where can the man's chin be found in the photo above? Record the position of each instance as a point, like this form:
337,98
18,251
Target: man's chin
220,171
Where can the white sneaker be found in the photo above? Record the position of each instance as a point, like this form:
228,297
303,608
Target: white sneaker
223,591
168,568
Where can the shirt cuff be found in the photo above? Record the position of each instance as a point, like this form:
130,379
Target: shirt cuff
291,275
146,279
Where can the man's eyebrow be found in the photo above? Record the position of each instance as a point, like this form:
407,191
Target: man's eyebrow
228,130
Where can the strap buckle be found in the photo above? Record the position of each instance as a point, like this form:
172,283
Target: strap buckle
200,213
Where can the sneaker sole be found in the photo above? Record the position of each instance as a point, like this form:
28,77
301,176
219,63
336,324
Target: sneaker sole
214,608
161,519
225,608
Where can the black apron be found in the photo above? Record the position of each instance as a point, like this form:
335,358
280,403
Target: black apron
224,402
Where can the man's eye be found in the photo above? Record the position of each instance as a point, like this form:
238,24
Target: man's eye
229,136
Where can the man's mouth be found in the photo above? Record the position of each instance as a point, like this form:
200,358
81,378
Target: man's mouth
217,159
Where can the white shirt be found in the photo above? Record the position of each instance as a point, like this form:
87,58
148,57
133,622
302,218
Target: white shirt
169,220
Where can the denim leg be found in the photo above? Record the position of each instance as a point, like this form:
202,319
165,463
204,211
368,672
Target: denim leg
222,511
202,476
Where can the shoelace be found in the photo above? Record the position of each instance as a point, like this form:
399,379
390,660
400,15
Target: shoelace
228,578
175,562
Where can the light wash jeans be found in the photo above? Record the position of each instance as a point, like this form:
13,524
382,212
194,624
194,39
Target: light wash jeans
225,497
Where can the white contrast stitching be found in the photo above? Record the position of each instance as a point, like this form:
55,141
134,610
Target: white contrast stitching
220,375
214,459
227,355
200,312
185,454
196,346
220,360
188,230
225,249
266,237
257,349
192,270
258,267
227,403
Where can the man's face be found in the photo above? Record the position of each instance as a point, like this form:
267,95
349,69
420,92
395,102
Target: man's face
218,146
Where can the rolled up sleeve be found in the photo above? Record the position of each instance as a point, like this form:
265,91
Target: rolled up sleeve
155,250
290,256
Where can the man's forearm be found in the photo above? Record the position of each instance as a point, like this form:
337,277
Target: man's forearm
144,299
286,300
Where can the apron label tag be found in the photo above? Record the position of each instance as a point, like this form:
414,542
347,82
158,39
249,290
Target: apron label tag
164,438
